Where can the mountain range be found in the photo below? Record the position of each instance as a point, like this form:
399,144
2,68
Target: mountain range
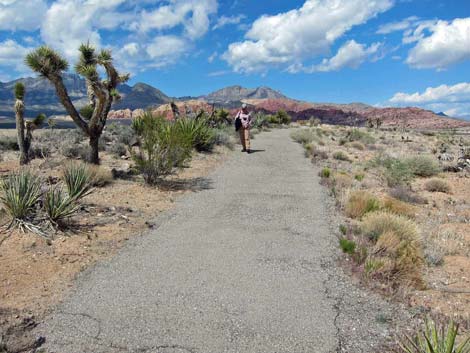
41,98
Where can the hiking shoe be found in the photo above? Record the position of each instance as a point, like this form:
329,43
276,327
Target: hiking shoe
243,150
248,151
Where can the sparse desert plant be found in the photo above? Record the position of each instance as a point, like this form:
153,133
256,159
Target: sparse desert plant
118,149
8,143
282,117
396,171
398,207
347,246
198,132
100,176
20,194
78,178
423,166
75,151
359,135
343,229
405,194
223,138
357,145
59,206
377,223
437,185
359,177
303,136
162,147
435,338
101,93
341,156
360,203
314,121
325,172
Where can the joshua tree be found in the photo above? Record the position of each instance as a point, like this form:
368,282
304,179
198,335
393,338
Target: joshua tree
24,139
91,119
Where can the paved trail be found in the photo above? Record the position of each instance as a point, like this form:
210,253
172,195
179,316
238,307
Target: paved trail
239,267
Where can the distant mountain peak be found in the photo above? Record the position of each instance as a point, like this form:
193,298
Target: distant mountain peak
237,93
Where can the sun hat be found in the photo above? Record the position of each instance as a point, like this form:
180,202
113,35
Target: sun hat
244,105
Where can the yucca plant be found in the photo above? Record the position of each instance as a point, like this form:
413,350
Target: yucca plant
78,178
59,206
20,193
198,131
434,338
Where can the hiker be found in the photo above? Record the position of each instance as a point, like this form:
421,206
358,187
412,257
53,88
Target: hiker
242,125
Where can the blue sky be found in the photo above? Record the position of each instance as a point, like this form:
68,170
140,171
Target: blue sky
381,52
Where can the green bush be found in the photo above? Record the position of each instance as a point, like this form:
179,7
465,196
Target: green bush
434,338
396,171
20,193
198,131
358,135
423,166
341,156
303,136
59,206
162,147
325,172
78,178
348,246
360,203
8,143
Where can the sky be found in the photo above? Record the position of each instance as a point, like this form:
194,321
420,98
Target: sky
380,52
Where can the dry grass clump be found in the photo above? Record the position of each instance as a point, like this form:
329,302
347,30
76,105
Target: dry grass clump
341,156
361,203
405,194
377,223
313,151
100,176
437,185
398,207
304,136
342,181
357,145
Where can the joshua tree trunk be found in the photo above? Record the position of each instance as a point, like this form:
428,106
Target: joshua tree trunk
94,149
23,146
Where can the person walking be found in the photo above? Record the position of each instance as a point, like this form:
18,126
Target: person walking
243,123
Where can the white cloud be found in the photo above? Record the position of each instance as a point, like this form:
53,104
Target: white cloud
212,57
68,23
291,37
166,50
448,44
193,15
17,15
351,55
12,56
224,21
453,100
402,25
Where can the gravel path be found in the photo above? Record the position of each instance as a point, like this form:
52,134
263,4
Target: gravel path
247,265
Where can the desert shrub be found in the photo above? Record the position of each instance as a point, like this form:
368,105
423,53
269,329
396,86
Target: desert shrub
348,246
75,151
342,141
40,150
282,117
424,166
343,229
357,145
359,177
223,138
78,178
162,147
398,207
120,133
303,136
198,132
396,171
314,121
99,176
359,203
59,206
341,156
434,338
325,172
342,180
260,121
118,149
313,151
8,143
377,223
405,194
437,185
433,255
358,135
20,193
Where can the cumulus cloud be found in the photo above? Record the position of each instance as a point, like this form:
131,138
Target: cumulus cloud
224,21
448,44
453,100
290,38
16,15
166,49
12,55
402,25
351,54
193,15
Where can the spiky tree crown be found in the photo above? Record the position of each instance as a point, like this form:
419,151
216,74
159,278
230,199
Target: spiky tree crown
19,91
46,61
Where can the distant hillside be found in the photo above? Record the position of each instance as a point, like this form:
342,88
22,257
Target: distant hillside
238,93
41,96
